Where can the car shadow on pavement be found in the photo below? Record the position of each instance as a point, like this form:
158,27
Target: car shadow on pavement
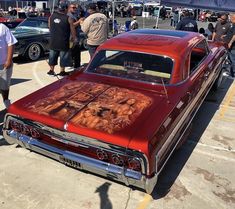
180,157
15,81
22,60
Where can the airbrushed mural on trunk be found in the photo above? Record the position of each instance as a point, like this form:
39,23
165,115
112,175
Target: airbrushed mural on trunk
93,105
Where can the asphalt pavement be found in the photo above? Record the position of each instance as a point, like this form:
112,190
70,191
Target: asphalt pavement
199,175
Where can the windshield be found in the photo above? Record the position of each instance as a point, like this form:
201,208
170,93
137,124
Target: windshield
132,65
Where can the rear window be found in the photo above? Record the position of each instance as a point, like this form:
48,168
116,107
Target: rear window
132,65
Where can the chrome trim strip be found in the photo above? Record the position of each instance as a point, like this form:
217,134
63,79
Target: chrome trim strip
127,176
182,121
80,140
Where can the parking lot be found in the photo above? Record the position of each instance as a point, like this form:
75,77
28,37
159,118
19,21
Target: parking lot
199,175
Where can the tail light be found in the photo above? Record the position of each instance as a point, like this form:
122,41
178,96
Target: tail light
134,164
24,129
14,125
101,154
34,133
117,160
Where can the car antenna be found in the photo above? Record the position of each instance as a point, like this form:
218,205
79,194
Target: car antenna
164,87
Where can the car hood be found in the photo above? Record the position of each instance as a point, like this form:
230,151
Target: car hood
97,110
29,31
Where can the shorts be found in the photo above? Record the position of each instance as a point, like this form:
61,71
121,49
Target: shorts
65,58
5,77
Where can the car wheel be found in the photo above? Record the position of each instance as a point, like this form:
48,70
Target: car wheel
34,52
219,80
84,44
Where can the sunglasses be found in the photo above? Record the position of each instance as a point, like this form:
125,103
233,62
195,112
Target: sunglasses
73,7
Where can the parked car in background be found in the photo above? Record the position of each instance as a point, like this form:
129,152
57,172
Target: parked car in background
214,17
124,114
10,22
33,37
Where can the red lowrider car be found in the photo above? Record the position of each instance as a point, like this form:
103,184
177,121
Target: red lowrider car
125,113
10,22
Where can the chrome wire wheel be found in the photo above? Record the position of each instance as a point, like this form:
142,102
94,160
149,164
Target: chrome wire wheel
34,52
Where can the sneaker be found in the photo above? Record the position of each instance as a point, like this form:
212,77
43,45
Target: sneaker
51,72
226,74
63,73
7,103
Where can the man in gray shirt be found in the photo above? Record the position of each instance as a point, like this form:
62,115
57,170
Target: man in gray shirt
221,28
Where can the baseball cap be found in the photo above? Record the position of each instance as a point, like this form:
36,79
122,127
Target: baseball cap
92,6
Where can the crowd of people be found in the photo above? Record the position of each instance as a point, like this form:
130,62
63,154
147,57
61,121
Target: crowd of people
224,31
68,20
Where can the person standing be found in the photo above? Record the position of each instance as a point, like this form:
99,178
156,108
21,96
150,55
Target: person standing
134,24
209,31
230,40
7,42
187,23
175,18
95,26
61,26
221,28
75,50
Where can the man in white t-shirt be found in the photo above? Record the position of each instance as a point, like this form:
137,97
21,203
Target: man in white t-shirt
134,23
7,42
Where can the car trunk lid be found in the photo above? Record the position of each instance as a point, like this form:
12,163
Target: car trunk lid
101,111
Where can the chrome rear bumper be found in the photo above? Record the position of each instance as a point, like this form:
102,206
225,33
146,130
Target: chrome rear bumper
114,172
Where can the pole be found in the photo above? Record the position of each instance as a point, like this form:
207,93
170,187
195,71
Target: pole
113,13
158,15
143,15
53,5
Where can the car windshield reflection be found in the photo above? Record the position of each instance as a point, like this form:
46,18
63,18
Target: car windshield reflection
34,23
132,65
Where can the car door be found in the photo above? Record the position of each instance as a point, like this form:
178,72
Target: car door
198,69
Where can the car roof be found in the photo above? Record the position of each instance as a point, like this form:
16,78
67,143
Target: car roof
172,43
37,18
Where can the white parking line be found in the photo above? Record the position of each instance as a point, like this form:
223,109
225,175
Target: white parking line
211,147
214,155
36,75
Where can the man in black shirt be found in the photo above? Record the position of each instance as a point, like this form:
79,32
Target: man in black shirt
230,40
187,23
60,28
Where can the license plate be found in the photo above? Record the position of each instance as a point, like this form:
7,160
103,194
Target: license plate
69,162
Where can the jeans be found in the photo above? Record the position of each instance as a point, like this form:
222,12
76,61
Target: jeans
232,58
65,59
76,55
91,49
